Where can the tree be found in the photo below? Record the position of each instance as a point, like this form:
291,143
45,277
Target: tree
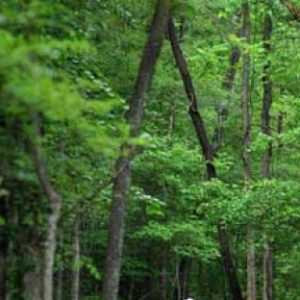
122,178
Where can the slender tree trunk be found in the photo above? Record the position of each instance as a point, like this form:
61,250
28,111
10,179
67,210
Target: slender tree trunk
251,271
76,261
268,272
246,95
196,117
2,274
3,251
122,179
266,129
32,279
183,269
228,264
267,96
59,287
201,132
54,202
50,247
164,278
222,109
171,120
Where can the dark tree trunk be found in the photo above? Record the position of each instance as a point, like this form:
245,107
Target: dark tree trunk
207,153
251,271
233,61
122,178
164,277
181,291
197,119
246,95
229,267
3,251
76,261
266,129
267,96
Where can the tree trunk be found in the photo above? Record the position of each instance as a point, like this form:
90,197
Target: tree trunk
207,153
54,202
164,277
222,109
229,267
3,251
181,292
75,289
268,277
246,95
267,96
59,287
251,278
196,117
266,129
251,272
32,279
122,179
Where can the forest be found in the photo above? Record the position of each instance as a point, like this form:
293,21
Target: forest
149,149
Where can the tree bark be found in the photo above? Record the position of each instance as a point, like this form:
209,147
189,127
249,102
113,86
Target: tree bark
32,279
268,272
122,179
54,202
266,129
196,117
246,94
201,132
181,291
267,96
163,277
251,271
59,287
75,290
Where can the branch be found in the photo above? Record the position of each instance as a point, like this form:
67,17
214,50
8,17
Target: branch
294,11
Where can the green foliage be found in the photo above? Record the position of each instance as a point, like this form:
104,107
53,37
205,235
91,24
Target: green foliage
76,72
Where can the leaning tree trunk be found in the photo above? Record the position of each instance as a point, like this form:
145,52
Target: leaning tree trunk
266,161
76,261
122,178
207,151
54,202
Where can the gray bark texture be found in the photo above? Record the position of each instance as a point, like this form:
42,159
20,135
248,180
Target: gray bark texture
121,184
54,203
